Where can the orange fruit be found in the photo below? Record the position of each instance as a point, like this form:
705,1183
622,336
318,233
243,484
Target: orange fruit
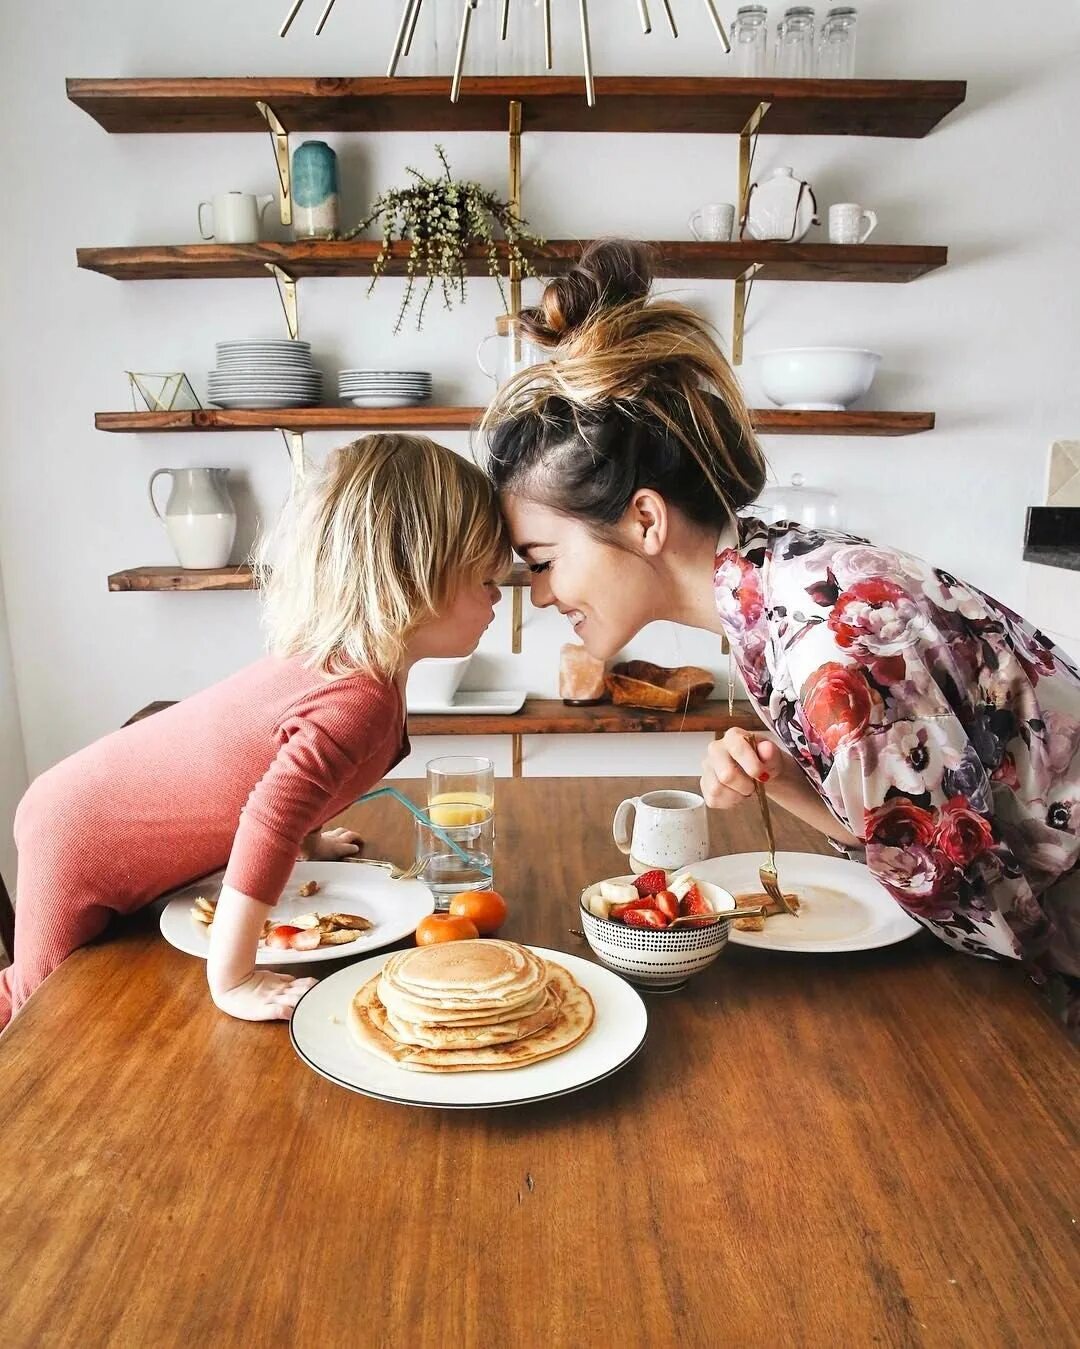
486,908
444,927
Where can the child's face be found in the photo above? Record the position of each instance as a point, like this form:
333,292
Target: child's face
458,629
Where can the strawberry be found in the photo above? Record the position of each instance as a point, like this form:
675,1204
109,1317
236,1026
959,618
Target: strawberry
693,903
619,911
281,936
666,902
644,918
649,883
307,939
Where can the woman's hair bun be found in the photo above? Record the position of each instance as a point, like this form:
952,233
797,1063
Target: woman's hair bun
610,273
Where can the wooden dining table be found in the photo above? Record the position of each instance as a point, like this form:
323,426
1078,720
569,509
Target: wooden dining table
876,1148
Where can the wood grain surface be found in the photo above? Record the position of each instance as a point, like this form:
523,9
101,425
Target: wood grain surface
873,1149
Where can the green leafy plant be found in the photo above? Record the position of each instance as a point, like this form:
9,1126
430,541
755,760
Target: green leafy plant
443,220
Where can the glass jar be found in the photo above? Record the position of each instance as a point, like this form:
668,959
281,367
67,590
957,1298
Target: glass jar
836,52
795,43
750,40
811,507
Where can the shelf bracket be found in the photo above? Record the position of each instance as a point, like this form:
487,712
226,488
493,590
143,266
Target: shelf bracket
738,324
280,140
516,752
746,158
517,610
294,444
286,289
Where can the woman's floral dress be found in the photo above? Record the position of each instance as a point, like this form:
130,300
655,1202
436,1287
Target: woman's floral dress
934,723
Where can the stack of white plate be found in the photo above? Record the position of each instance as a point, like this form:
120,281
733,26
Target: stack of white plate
384,388
267,374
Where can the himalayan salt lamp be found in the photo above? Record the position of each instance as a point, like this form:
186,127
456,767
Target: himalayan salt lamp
581,676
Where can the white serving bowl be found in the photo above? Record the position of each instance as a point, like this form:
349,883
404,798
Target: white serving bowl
658,959
817,379
435,681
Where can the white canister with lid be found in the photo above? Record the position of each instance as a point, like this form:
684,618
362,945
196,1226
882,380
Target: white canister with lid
813,507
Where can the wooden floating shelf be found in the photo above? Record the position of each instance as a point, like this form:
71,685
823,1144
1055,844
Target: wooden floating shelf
174,579
768,421
893,108
549,716
673,258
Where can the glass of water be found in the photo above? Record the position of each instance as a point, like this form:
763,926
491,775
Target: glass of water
456,856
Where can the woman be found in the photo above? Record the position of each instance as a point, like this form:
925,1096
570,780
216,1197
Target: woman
919,724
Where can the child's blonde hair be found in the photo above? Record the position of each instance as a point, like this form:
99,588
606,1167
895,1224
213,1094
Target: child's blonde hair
372,546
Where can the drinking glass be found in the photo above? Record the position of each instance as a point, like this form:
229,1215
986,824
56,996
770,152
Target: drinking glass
836,52
749,41
456,857
795,43
457,780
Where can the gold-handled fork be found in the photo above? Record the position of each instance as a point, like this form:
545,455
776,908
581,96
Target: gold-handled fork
770,882
395,873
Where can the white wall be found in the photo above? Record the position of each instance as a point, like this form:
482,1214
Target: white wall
989,343
12,756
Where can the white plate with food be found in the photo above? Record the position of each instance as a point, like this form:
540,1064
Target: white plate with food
378,910
841,906
609,1031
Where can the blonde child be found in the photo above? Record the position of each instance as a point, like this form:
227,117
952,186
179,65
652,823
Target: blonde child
389,556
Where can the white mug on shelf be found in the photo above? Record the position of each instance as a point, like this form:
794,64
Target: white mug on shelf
670,830
235,217
714,222
850,223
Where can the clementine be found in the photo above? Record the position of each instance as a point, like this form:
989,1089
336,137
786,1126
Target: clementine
486,908
444,927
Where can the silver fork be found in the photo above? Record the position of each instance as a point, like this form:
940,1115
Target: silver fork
395,873
770,882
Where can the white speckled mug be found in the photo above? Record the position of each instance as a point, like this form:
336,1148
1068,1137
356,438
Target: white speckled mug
670,830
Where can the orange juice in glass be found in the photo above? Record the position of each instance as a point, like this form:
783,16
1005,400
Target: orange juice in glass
460,790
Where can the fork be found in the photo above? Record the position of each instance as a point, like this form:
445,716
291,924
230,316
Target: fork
770,882
395,873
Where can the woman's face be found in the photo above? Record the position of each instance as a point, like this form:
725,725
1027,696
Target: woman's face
607,592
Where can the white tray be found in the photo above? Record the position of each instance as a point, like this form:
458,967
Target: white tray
475,703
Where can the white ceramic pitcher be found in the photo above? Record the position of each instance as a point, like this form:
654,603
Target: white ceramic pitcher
199,516
513,351
236,217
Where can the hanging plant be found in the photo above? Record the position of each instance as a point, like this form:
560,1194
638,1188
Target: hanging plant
443,219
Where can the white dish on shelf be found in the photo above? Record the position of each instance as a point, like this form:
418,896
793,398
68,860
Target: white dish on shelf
265,400
474,702
436,679
385,401
817,379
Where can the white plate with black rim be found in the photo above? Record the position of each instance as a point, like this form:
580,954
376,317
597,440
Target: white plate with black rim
842,906
393,907
320,1035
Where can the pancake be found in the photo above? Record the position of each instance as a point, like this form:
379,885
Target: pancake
370,1026
474,1035
461,977
415,1013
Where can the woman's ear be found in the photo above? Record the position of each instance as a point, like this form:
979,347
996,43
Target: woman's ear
649,521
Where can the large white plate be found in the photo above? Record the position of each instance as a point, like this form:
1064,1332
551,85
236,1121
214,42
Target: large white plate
476,703
843,907
321,1036
386,401
395,908
264,401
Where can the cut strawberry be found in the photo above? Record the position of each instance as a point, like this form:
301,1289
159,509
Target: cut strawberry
694,903
307,939
651,882
619,910
667,903
281,936
644,918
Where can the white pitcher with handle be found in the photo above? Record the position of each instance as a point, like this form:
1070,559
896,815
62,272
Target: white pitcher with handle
199,516
513,350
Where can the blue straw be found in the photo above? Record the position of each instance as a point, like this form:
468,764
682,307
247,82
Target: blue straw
425,820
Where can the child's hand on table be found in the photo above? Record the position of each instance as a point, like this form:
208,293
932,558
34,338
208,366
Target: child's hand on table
236,986
263,996
332,846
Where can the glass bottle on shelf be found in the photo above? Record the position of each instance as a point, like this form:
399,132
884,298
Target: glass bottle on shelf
795,43
836,52
750,41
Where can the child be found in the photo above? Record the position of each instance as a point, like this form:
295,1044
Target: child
386,558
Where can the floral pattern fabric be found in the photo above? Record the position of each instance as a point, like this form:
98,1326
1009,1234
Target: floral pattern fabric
935,724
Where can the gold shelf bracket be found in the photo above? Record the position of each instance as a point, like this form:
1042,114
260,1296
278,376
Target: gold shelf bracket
743,283
746,158
294,445
286,289
516,751
280,140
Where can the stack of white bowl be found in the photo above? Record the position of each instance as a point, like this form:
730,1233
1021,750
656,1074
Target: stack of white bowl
384,388
274,373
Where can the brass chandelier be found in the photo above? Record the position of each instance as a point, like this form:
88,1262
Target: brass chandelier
411,13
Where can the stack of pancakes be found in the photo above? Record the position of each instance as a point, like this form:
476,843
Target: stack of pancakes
469,1006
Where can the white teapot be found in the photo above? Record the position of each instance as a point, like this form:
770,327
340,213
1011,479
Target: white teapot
780,207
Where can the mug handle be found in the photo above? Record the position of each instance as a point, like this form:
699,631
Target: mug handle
619,828
201,230
479,358
695,216
153,478
871,218
261,203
